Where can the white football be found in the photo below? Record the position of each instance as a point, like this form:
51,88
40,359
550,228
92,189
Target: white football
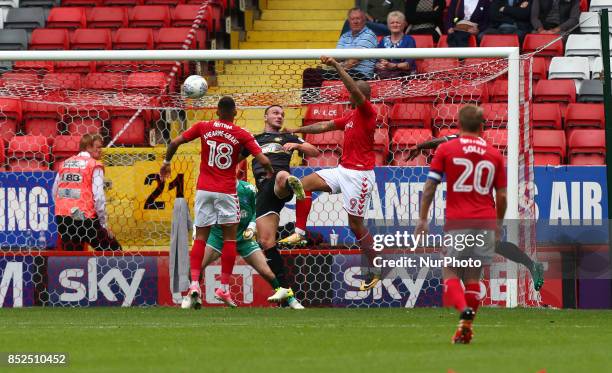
195,86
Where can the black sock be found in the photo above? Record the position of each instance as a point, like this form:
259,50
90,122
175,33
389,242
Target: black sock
512,252
276,265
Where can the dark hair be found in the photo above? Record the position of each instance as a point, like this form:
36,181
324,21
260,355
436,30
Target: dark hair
88,140
226,106
270,107
471,118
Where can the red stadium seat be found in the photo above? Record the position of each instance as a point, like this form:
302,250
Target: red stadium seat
37,110
81,67
41,127
84,125
327,158
174,37
28,165
334,91
405,139
105,81
447,132
411,115
29,147
62,81
385,89
477,93
382,115
10,118
587,147
533,42
133,135
585,115
151,82
558,90
154,16
330,145
19,80
67,17
443,41
546,115
133,38
127,3
381,146
85,3
539,68
498,91
491,40
65,146
495,115
436,64
108,17
446,115
164,2
49,39
184,14
425,91
549,147
322,112
91,39
423,41
497,138
30,66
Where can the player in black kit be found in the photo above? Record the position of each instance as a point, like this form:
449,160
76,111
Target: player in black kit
273,193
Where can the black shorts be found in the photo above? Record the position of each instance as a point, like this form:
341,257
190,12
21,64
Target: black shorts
266,201
75,232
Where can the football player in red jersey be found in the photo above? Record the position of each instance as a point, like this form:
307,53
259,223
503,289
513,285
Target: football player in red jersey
354,177
216,202
473,170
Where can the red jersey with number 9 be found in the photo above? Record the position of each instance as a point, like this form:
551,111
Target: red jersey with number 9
473,169
222,143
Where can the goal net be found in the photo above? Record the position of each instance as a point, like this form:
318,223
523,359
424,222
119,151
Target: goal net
133,99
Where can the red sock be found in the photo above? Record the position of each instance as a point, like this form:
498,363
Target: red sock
302,209
453,294
228,258
195,259
472,295
366,244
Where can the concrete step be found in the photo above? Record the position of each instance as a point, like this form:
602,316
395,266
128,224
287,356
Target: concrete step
321,36
311,4
287,45
298,25
299,15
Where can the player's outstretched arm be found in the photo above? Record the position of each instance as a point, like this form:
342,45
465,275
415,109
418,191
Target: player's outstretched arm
305,148
500,207
349,83
164,171
318,127
426,199
429,144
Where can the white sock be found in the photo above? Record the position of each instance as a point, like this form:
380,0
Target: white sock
300,231
195,283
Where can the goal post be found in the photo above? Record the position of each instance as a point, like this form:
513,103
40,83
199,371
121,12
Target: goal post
143,220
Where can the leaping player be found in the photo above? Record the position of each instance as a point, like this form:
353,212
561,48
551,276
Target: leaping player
354,177
216,202
247,247
503,248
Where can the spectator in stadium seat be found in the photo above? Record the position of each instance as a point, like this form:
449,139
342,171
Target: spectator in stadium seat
359,36
78,192
465,18
376,12
425,17
510,17
385,69
554,16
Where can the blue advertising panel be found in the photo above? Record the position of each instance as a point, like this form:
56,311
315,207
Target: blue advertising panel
27,210
102,281
571,203
16,280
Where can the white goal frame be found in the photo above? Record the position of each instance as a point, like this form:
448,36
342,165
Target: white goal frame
512,54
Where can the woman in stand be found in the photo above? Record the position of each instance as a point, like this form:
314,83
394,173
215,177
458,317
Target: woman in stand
385,69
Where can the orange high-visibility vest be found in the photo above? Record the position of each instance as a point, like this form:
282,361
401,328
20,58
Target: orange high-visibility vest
74,189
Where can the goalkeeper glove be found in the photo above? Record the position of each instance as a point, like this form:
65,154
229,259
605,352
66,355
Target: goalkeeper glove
249,233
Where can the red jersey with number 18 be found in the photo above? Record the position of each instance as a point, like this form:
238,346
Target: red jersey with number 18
473,169
222,142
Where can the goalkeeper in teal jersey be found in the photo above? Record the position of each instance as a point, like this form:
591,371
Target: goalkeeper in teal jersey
246,246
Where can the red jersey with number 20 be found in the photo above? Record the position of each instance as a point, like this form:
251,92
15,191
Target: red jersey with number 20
222,143
473,169
358,148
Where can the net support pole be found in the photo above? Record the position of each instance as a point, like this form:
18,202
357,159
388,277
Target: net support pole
512,216
604,32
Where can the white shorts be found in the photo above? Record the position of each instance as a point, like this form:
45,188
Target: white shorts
356,187
216,208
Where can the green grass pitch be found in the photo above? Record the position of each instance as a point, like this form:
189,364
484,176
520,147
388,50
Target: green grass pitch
282,340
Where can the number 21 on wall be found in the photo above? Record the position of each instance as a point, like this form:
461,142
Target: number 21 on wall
151,202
